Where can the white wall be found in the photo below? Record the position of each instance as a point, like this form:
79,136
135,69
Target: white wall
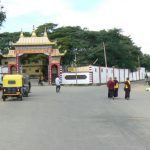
131,76
110,72
142,73
116,73
3,69
122,78
103,72
74,81
134,76
126,73
101,75
137,75
96,74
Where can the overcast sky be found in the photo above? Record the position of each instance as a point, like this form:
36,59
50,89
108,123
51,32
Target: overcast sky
132,16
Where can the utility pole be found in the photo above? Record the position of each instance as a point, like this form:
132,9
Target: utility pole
139,65
76,67
139,61
105,57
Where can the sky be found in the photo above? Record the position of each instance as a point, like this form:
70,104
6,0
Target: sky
132,16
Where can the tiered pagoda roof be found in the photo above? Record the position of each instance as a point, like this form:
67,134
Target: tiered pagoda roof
33,40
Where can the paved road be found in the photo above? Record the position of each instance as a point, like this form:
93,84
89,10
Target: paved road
78,118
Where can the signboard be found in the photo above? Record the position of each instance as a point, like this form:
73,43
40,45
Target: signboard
33,51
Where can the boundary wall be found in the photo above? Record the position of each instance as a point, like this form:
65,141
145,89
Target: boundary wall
89,75
100,75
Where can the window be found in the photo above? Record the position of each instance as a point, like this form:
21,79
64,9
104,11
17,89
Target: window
6,63
11,82
37,71
24,70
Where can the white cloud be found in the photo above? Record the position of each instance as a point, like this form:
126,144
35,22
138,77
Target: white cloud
44,7
130,15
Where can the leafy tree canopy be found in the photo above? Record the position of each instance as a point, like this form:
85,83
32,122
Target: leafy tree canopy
88,46
2,15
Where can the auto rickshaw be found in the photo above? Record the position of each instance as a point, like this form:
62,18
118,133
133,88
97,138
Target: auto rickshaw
13,86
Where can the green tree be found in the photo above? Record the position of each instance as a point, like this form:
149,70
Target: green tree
87,46
145,61
7,39
120,49
2,15
68,38
49,27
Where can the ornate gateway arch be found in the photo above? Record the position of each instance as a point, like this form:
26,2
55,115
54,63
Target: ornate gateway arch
36,45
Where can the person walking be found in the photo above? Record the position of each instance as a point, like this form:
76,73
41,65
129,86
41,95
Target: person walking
40,82
57,83
29,84
110,85
146,79
116,87
127,88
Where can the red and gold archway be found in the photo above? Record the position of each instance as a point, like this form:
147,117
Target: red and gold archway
35,45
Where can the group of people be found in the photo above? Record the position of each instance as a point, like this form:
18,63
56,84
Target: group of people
113,86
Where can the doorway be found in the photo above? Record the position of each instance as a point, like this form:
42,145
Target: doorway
54,73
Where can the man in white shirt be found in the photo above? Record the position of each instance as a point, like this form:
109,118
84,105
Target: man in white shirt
57,83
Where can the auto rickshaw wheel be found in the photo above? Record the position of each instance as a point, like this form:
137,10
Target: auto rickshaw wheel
20,97
4,98
25,94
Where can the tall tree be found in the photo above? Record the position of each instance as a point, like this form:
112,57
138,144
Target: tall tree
145,61
2,15
49,27
87,46
68,38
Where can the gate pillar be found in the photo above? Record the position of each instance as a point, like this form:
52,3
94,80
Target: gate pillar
17,64
58,69
49,70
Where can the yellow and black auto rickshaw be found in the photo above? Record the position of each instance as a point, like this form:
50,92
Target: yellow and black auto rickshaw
13,86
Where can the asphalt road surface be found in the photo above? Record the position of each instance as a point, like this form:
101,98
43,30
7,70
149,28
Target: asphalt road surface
78,118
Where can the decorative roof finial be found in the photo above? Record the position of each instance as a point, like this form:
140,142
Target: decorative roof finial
33,32
45,32
21,33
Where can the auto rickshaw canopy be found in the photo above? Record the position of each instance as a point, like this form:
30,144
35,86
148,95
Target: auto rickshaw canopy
13,80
